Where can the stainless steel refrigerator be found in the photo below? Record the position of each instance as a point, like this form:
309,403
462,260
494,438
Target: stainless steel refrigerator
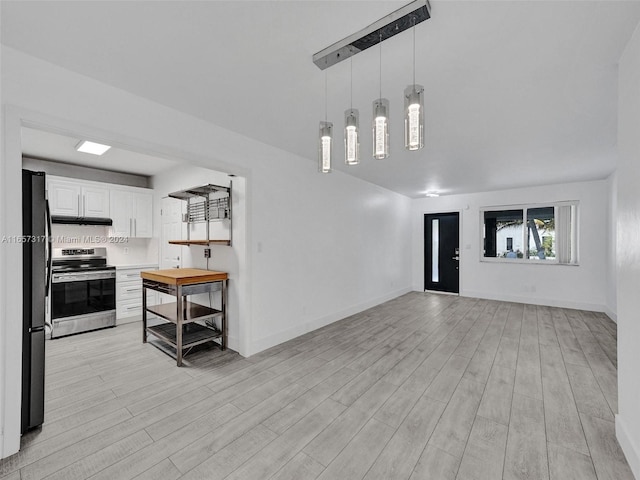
36,283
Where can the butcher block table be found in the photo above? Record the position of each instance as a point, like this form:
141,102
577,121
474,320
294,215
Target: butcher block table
182,332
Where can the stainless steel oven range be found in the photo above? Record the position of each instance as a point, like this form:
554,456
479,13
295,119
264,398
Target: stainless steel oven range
83,291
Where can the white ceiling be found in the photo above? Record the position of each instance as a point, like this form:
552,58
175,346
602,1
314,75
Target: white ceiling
52,146
517,92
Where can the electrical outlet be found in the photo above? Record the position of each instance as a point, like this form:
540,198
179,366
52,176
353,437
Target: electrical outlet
207,253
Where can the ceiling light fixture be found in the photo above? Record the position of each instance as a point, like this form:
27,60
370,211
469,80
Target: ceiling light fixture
380,126
414,108
351,130
432,194
396,22
388,26
93,148
324,138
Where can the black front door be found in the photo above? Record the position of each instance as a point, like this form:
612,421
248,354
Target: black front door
441,252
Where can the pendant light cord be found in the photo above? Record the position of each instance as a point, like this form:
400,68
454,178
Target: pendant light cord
380,65
351,86
414,51
325,96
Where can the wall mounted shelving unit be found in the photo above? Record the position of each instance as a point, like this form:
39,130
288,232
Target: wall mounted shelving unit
205,204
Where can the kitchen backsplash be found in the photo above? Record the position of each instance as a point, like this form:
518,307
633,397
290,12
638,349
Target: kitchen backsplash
120,251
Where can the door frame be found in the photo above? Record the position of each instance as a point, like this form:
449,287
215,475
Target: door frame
150,143
423,264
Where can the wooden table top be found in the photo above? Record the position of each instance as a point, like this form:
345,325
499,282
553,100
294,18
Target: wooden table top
183,276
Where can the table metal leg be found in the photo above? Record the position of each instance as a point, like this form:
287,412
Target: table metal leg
180,320
224,313
144,313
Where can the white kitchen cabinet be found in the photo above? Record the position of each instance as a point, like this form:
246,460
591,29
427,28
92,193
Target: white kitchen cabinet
131,212
129,293
64,197
143,214
77,198
95,201
120,206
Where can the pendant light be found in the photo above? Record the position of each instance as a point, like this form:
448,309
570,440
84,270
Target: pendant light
351,130
380,125
414,108
325,137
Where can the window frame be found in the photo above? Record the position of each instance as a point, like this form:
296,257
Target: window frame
525,207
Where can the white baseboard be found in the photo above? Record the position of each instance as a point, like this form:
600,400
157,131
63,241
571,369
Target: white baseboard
6,450
611,314
233,343
549,302
630,449
310,325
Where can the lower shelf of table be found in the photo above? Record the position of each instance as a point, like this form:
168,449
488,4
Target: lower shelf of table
192,334
191,311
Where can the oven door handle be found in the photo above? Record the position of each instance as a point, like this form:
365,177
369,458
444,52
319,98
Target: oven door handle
83,277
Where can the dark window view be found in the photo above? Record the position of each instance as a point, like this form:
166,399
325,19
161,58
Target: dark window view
504,234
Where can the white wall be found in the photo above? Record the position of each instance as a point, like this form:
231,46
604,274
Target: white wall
85,173
133,251
628,254
324,247
319,247
612,282
582,286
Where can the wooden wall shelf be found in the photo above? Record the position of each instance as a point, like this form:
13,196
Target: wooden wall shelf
200,242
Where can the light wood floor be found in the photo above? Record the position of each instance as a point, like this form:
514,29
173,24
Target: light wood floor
421,387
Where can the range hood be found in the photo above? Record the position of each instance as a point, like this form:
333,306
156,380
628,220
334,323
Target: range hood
69,220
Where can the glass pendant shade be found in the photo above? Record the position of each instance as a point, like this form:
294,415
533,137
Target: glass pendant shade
380,128
351,137
414,117
324,147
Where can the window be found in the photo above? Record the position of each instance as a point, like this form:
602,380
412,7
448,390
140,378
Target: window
536,233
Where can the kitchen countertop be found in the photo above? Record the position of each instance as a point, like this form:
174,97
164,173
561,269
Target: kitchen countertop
184,276
137,265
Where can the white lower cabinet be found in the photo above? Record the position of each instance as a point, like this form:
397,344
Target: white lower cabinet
129,293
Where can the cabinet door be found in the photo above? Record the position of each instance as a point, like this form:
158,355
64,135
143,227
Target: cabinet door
143,215
95,201
64,198
120,207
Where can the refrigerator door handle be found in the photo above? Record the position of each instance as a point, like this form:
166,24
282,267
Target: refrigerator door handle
49,249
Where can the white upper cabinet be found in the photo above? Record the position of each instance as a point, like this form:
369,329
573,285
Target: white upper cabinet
131,212
64,197
77,198
130,208
143,214
95,202
120,206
